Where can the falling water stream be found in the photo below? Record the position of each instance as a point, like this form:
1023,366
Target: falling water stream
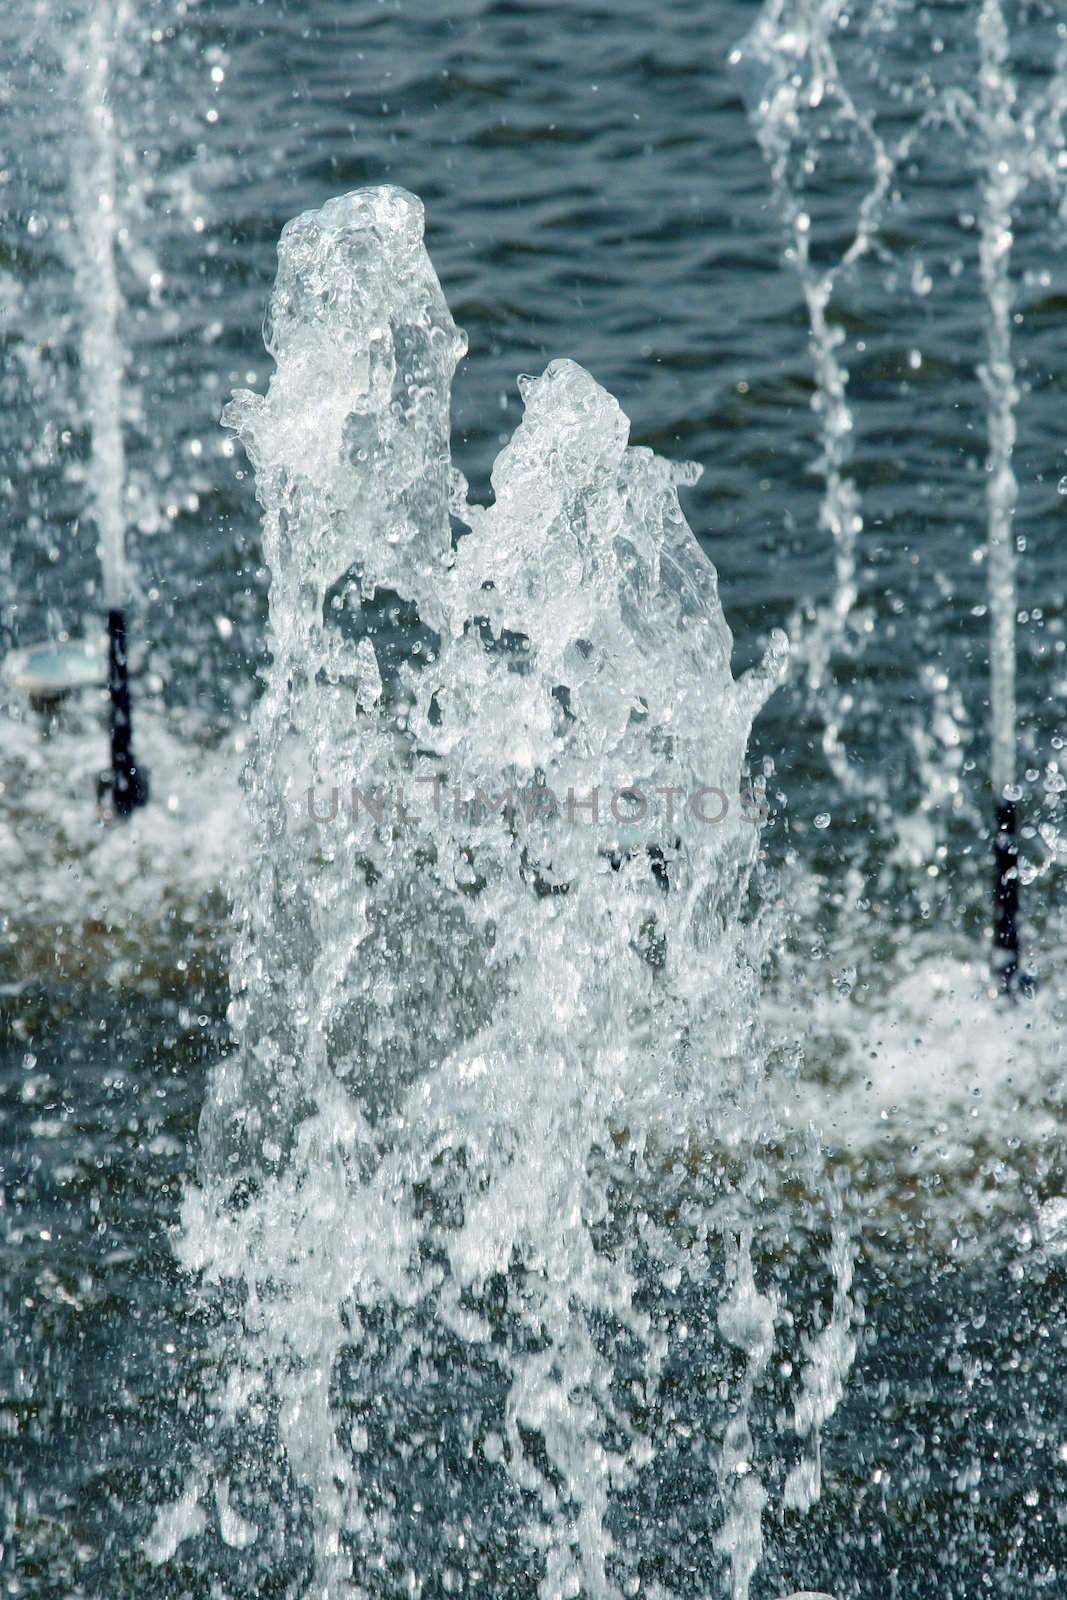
802,111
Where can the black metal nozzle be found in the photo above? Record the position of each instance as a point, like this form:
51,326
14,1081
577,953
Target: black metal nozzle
127,782
1007,974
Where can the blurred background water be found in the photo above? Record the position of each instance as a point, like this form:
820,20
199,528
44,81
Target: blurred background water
593,188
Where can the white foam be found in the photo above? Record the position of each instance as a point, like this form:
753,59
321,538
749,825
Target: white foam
926,1074
72,869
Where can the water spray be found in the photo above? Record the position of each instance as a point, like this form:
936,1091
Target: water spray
793,83
795,90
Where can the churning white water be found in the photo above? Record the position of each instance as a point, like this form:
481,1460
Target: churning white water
497,1086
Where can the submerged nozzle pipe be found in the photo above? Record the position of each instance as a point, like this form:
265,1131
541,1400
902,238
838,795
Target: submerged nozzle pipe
128,782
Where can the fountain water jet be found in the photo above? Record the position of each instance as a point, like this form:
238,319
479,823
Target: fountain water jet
126,785
50,672
476,1044
1002,182
799,103
1018,142
102,357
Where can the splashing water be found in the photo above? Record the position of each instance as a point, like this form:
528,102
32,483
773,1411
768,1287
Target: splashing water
822,87
496,1100
802,110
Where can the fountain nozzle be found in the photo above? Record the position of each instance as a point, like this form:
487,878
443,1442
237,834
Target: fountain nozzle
1007,973
127,783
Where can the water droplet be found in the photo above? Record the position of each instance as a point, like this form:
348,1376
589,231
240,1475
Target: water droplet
822,819
1061,487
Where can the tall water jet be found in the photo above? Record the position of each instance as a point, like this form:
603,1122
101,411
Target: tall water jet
96,216
1018,142
1002,179
803,103
495,1105
102,356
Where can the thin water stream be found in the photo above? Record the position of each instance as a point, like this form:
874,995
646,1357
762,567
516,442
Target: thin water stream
97,220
